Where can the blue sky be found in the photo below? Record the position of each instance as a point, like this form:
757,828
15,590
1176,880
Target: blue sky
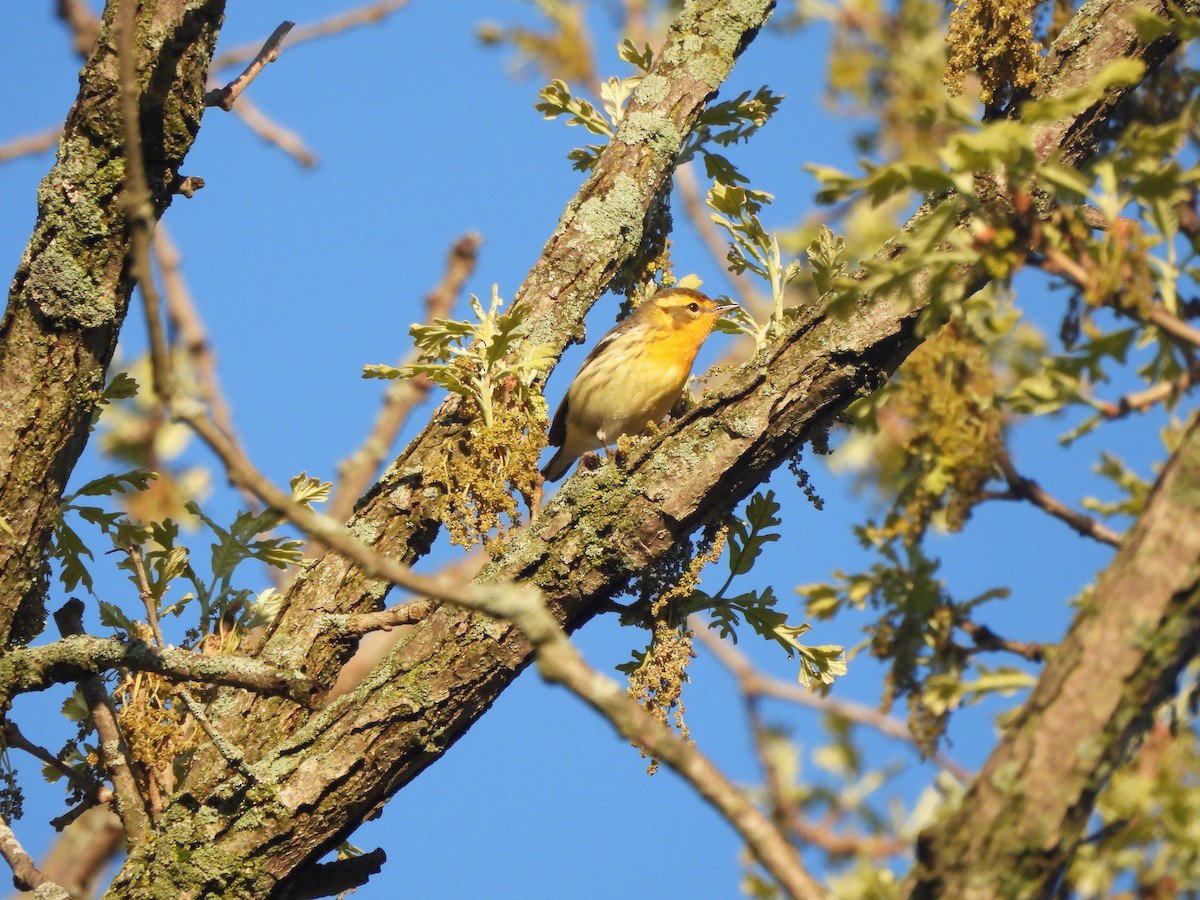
303,276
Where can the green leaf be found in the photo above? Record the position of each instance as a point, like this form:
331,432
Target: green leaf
307,491
557,101
122,387
384,371
825,259
277,552
70,551
75,708
629,52
112,617
107,485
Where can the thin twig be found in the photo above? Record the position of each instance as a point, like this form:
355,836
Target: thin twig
227,96
273,133
789,815
1173,325
232,755
146,594
986,639
31,144
1021,488
754,683
1140,401
83,23
364,15
356,472
94,792
26,876
114,753
186,321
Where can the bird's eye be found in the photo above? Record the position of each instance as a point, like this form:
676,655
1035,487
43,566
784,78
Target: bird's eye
694,307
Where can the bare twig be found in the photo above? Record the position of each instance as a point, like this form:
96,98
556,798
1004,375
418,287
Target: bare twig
1140,401
185,320
373,646
146,595
26,876
1021,488
1174,326
232,755
407,613
94,792
356,472
84,24
31,144
986,639
363,15
114,753
754,683
227,96
785,811
274,133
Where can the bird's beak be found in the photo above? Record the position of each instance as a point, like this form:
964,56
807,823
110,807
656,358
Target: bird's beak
721,310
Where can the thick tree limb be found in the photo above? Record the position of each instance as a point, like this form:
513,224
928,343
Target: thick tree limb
1024,815
71,290
600,231
28,669
453,664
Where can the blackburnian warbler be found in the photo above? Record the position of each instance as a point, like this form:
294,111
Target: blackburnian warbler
633,376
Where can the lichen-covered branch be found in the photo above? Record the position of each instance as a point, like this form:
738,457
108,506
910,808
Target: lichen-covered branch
600,530
29,669
71,290
601,230
1024,815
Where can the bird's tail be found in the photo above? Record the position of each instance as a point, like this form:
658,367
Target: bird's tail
558,465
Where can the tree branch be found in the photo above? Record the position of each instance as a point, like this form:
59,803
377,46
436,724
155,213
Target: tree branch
30,144
753,683
93,792
1037,788
1022,488
371,14
114,752
71,290
25,670
26,876
227,96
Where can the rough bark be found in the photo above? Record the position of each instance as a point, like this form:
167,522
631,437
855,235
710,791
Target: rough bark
71,290
598,533
226,836
601,229
1024,815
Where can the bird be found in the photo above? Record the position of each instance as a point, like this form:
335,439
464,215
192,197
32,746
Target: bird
633,376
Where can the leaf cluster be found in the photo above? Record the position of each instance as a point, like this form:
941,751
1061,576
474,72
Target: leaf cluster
820,665
558,102
916,632
492,366
219,601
